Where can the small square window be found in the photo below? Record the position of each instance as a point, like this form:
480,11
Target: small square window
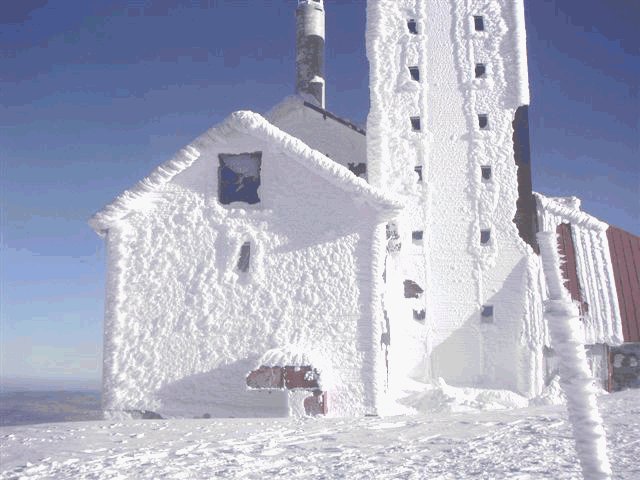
412,289
481,70
486,314
245,257
486,172
358,169
415,73
418,170
416,236
239,177
413,26
419,315
485,236
483,121
415,124
478,23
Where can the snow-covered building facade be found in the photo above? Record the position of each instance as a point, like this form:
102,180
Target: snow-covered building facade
295,263
447,132
248,245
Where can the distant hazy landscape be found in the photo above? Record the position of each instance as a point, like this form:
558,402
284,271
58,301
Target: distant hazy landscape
29,407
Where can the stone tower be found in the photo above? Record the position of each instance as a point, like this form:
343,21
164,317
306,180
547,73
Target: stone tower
310,49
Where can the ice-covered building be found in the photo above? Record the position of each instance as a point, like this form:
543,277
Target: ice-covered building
294,263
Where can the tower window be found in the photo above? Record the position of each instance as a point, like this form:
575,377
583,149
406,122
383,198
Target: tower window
416,236
478,23
418,170
239,177
419,315
358,169
481,70
485,236
415,73
412,289
486,172
486,314
245,257
413,26
483,121
415,124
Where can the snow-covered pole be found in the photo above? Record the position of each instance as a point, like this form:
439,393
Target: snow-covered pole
575,377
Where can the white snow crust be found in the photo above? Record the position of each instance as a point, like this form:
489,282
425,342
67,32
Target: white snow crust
528,444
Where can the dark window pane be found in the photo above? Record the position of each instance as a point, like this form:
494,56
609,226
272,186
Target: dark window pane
413,27
486,172
486,314
481,70
417,235
393,238
483,121
418,170
245,257
239,177
415,73
415,124
358,169
412,289
478,23
419,315
485,236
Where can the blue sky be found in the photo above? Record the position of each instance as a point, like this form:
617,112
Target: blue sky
95,94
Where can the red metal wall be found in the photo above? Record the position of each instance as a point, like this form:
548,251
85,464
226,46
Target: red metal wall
568,261
625,256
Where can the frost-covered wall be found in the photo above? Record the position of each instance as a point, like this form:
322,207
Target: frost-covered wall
184,326
602,321
449,121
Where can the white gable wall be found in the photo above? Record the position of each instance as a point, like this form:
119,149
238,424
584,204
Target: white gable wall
184,327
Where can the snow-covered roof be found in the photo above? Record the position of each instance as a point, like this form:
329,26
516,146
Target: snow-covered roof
141,195
568,209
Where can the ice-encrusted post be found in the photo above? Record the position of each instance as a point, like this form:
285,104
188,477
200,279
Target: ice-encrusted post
575,377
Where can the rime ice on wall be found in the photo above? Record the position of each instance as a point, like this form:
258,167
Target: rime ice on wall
184,325
601,323
453,120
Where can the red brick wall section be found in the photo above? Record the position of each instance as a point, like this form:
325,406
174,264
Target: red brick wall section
625,257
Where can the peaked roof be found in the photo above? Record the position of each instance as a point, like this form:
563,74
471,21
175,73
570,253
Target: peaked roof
141,195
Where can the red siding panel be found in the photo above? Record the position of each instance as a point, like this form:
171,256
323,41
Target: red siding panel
634,283
568,266
625,255
617,264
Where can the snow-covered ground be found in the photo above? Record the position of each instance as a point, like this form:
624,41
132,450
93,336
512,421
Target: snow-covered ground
528,443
